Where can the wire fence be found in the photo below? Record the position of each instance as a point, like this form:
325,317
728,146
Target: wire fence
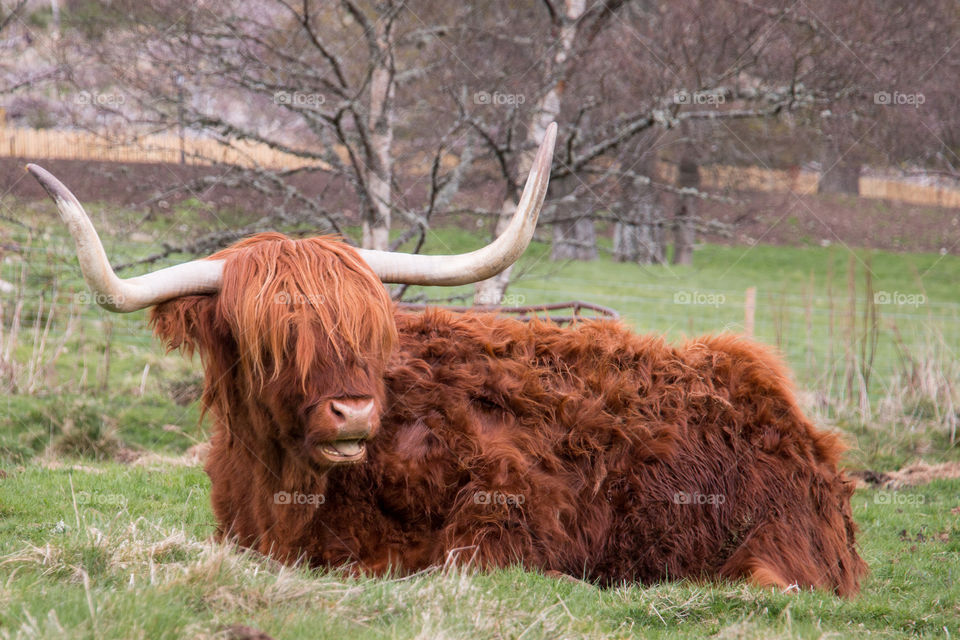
817,333
821,335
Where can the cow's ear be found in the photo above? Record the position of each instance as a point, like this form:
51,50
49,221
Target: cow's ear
188,323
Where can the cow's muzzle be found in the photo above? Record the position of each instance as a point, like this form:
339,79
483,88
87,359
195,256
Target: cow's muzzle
353,420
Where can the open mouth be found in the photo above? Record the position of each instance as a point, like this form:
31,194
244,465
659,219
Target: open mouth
344,450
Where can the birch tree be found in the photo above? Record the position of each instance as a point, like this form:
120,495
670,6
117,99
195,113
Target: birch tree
545,111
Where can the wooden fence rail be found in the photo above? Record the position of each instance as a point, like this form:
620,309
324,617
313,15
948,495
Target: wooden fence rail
158,148
807,182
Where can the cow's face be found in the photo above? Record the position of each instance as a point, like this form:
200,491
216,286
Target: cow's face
329,419
299,336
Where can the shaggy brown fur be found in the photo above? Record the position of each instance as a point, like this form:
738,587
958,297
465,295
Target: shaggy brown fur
589,450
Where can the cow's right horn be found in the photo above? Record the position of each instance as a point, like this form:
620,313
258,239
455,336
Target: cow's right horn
483,263
109,291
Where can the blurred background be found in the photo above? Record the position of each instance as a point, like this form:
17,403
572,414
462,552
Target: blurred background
787,170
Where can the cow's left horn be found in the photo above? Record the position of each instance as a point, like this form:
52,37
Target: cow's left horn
483,263
109,291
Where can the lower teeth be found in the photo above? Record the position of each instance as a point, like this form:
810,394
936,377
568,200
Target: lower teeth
348,450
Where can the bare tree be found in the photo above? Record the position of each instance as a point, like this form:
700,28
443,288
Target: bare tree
396,101
567,24
888,67
317,81
11,13
376,222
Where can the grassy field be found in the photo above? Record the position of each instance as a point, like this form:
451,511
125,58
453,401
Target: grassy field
113,551
105,525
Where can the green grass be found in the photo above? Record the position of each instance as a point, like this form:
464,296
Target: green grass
114,551
91,548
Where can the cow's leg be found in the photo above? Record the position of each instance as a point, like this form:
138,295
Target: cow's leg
748,564
491,546
490,529
782,554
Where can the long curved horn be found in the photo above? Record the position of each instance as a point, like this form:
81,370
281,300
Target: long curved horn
406,268
109,291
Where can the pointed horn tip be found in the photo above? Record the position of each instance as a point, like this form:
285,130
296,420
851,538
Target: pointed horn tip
545,154
51,184
37,171
550,137
42,175
543,162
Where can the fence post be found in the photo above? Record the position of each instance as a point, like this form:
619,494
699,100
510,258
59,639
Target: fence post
749,311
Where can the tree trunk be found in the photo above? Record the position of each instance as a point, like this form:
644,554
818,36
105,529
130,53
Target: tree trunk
574,236
490,292
684,235
545,112
685,217
574,240
638,237
838,174
376,222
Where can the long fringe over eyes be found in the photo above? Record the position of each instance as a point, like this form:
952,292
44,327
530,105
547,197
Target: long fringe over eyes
291,303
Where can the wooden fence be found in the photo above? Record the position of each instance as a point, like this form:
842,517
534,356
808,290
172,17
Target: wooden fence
909,192
165,148
807,182
159,148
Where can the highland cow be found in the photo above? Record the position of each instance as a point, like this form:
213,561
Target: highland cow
349,432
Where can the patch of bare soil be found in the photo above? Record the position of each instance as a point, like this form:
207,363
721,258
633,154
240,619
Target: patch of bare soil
915,475
242,632
183,392
784,219
146,185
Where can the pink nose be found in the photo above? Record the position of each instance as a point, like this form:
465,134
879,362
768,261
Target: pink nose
351,416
